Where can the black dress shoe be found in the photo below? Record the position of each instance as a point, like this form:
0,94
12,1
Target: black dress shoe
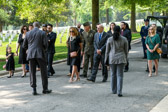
120,95
125,70
9,77
147,70
84,76
47,91
104,80
90,79
34,93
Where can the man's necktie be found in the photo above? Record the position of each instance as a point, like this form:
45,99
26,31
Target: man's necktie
100,36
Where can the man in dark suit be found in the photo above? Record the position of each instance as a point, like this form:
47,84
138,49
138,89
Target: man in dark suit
100,40
79,28
126,33
51,48
144,34
36,43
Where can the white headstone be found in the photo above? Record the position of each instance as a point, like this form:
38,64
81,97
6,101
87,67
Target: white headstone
10,41
3,39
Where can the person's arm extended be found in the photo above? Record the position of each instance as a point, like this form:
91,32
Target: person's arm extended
53,37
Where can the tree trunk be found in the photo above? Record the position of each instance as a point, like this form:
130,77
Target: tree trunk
133,17
95,13
107,16
56,23
1,26
166,12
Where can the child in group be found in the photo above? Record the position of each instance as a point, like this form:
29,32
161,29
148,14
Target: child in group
10,62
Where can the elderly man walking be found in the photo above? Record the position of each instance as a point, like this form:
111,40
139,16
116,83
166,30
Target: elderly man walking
36,43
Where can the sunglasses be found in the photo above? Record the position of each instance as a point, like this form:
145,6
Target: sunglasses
71,31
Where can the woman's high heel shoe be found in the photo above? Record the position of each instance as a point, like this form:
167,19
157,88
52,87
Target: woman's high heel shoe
71,80
150,75
156,73
24,75
77,79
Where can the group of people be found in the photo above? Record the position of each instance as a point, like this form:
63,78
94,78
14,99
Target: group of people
100,49
97,47
22,52
37,49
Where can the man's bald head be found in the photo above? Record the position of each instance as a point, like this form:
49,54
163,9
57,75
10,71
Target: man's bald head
100,28
36,24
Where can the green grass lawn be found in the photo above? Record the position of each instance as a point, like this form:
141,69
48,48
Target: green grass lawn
61,49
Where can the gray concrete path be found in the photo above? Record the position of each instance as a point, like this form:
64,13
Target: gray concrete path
140,93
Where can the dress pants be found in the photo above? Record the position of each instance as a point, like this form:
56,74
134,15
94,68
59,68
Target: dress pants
50,62
116,78
86,63
144,47
43,66
97,60
127,65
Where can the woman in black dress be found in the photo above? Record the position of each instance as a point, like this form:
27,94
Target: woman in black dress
22,53
75,46
111,29
10,63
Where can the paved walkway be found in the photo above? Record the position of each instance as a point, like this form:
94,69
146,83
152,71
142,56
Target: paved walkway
141,93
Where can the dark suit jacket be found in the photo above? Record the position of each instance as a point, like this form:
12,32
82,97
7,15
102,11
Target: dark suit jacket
36,43
110,33
81,30
127,34
51,45
100,44
144,31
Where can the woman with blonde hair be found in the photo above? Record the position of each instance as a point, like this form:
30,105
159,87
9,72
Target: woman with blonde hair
75,47
152,43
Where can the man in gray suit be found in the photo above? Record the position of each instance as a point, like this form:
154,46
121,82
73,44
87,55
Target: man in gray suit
88,47
100,40
36,43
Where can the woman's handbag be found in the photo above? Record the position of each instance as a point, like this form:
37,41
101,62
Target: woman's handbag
4,66
158,50
73,54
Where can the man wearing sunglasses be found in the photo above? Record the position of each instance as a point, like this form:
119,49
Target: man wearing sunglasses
51,48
